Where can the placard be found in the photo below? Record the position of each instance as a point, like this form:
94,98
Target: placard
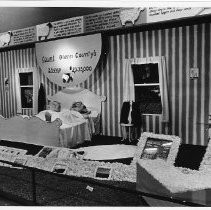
45,151
156,14
102,172
102,21
60,168
68,62
68,27
21,160
24,35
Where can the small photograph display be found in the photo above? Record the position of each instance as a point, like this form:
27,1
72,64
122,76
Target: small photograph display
156,148
103,172
60,168
45,151
20,160
153,146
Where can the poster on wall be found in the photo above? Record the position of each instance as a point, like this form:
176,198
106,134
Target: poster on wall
113,19
61,28
102,21
20,36
156,14
68,27
24,35
68,62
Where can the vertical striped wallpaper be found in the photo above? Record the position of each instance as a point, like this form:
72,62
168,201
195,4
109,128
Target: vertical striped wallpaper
184,48
9,62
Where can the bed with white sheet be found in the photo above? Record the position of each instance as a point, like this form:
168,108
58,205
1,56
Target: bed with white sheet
67,128
76,127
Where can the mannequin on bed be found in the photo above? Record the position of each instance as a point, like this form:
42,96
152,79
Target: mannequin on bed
66,115
80,107
54,106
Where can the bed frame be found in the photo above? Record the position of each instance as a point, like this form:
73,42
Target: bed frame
30,130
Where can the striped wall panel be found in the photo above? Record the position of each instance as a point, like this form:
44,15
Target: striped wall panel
9,62
184,48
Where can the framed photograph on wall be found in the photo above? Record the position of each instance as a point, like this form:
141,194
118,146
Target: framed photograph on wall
157,146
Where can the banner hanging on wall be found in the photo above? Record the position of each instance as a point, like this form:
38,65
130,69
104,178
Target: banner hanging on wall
68,62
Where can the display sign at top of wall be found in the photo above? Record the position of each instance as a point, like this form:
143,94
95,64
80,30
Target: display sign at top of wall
101,21
68,62
16,37
156,14
61,28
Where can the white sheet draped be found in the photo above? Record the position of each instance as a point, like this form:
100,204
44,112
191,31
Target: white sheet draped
74,129
128,88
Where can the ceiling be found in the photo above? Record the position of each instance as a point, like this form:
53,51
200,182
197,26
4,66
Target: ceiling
12,18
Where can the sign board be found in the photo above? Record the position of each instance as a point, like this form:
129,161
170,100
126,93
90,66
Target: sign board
68,27
156,14
20,36
24,35
68,62
61,28
102,21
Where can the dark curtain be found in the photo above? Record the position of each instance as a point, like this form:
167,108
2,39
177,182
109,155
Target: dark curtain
135,113
41,98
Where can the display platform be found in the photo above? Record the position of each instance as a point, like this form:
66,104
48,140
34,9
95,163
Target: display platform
159,178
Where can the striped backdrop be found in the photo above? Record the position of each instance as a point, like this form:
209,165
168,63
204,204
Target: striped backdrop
184,48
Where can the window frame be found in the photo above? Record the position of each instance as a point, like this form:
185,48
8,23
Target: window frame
27,86
148,84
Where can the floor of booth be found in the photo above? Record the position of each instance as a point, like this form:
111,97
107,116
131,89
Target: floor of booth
61,191
58,191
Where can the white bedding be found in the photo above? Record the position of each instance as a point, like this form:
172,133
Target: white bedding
66,116
75,129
